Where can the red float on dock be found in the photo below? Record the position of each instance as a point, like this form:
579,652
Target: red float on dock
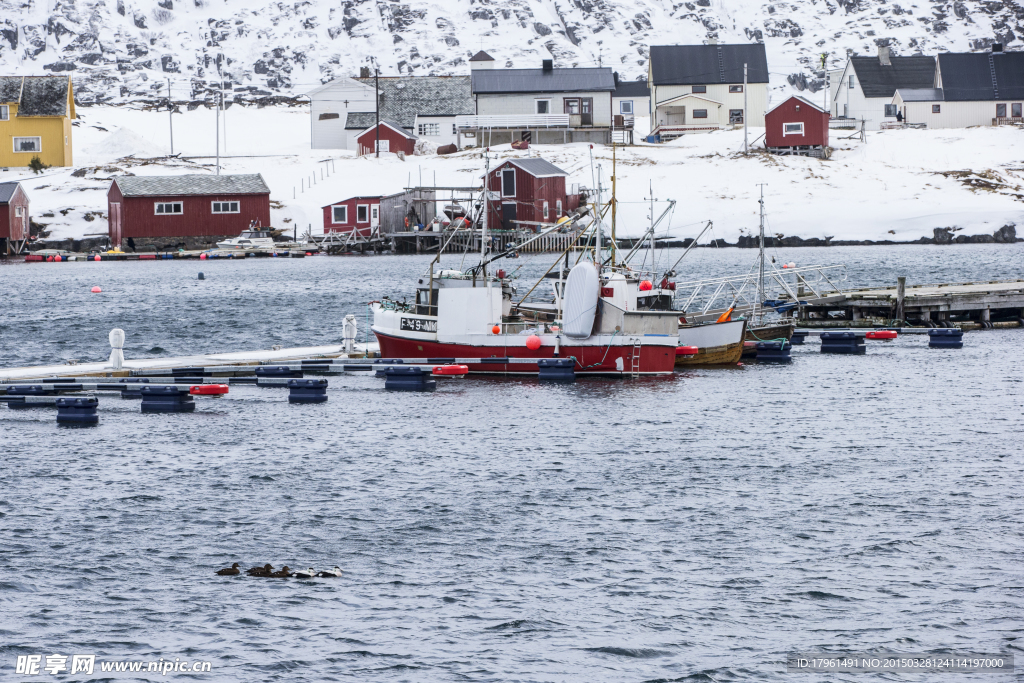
451,370
208,389
881,334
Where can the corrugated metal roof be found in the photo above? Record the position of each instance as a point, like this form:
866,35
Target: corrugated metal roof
538,168
703,64
402,98
7,191
10,89
184,185
921,94
968,76
881,80
632,89
503,81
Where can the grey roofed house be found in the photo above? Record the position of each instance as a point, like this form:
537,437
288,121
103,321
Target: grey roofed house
7,191
981,76
184,185
506,81
481,57
403,98
632,89
538,168
883,80
703,64
921,94
384,122
36,95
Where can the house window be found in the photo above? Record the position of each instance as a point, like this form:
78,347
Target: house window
19,211
455,129
167,208
735,116
792,129
700,113
28,144
1015,109
382,145
430,129
626,107
890,110
508,182
936,108
700,89
5,112
543,106
735,88
558,208
340,214
571,105
1000,110
362,213
225,207
545,209
851,81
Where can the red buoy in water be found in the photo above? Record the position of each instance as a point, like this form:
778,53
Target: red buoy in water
57,258
49,259
97,258
496,329
686,350
202,257
881,334
95,290
646,286
533,342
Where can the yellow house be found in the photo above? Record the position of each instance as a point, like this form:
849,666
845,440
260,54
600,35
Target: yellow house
35,120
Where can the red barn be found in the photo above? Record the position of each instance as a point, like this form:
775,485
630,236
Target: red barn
529,189
360,214
14,217
797,126
393,138
196,211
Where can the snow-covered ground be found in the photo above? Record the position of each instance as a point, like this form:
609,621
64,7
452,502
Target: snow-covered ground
891,187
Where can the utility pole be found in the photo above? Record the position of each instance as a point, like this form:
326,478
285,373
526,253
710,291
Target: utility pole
745,117
170,114
218,134
376,97
824,73
760,275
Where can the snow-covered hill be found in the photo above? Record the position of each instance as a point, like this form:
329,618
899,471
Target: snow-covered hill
127,49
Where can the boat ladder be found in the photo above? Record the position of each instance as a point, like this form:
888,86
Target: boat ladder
635,365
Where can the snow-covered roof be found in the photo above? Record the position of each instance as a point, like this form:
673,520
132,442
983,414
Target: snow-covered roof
538,168
979,76
507,81
402,98
920,94
36,95
702,64
7,191
883,80
183,185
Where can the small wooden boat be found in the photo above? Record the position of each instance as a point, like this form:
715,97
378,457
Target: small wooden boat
717,343
770,332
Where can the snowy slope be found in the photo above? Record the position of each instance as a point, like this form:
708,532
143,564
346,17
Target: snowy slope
899,185
126,49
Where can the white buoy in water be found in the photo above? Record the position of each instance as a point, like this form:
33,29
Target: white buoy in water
116,348
349,332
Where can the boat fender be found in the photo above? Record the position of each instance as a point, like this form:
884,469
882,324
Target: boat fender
208,389
686,350
496,329
533,342
451,370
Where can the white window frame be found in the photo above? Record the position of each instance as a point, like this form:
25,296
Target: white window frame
334,214
514,188
851,86
233,207
558,208
698,116
738,120
37,150
365,209
19,212
429,130
382,145
786,131
177,208
5,112
890,108
545,209
536,106
624,105
1020,109
703,89
733,89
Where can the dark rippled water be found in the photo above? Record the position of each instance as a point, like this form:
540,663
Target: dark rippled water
692,528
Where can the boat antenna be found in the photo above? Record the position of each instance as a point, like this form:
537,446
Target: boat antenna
759,304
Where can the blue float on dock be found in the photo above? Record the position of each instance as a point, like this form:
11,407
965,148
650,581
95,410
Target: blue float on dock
167,400
842,342
29,390
307,391
946,339
799,337
77,411
132,391
556,369
276,371
774,352
408,379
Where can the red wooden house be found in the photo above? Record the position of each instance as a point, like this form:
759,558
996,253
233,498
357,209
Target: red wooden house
797,126
14,217
529,189
393,138
159,212
360,214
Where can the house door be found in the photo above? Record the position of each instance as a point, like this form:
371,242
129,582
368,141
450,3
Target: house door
374,217
587,111
115,224
508,215
383,145
18,226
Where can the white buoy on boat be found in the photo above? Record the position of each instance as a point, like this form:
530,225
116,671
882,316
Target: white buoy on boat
348,333
116,348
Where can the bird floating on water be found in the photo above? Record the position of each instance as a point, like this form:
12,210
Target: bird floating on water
283,574
307,574
265,570
230,571
330,573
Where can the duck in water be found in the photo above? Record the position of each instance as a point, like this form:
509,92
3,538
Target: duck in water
265,570
283,574
330,573
230,571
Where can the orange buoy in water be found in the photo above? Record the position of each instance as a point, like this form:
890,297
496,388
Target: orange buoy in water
881,334
451,370
646,286
533,342
97,258
96,290
208,389
57,258
496,329
50,259
686,350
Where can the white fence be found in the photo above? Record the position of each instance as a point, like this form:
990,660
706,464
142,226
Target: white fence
516,122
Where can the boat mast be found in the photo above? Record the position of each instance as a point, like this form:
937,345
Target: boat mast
653,271
483,222
599,247
759,304
614,204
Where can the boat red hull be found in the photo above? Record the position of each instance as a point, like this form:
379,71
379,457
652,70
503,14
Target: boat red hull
590,360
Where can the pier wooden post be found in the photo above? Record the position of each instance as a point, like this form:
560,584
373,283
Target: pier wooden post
901,292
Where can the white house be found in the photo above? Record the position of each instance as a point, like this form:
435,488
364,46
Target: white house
699,88
330,105
631,98
865,88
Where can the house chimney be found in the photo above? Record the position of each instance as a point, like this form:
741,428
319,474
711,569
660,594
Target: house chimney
548,65
997,47
883,55
615,77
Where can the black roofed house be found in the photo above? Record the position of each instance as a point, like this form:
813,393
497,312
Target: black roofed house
971,89
631,98
35,120
547,105
865,88
424,106
150,213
